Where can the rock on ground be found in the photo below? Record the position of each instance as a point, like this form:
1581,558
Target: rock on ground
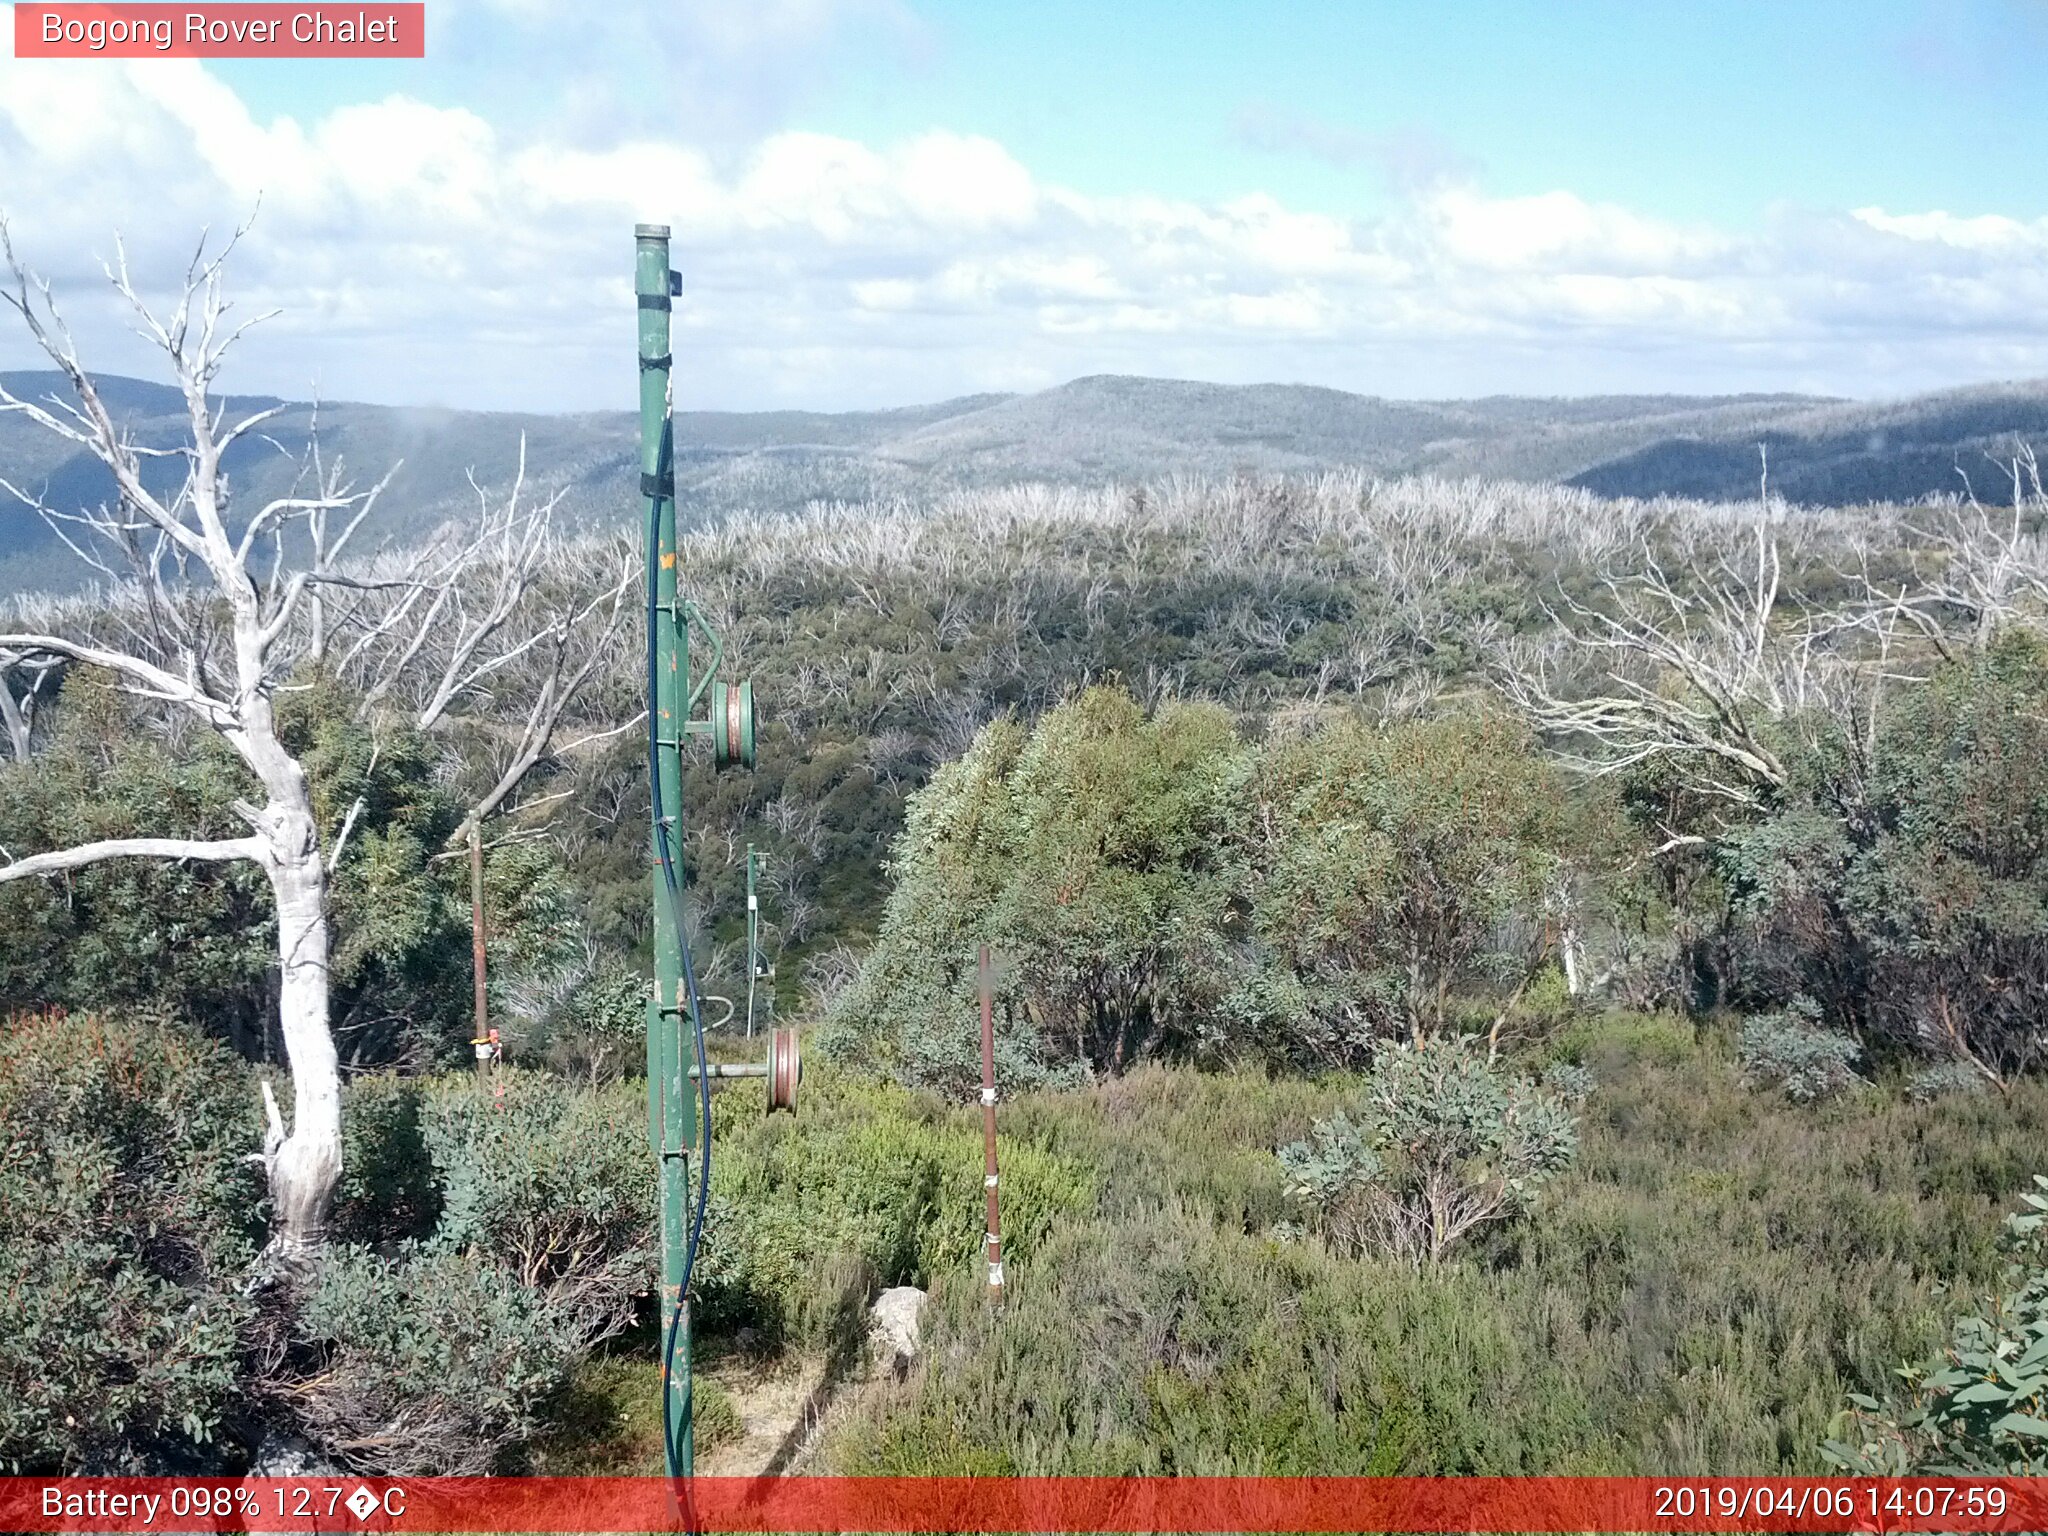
893,1332
282,1455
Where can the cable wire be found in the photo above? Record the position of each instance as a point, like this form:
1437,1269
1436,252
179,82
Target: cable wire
673,886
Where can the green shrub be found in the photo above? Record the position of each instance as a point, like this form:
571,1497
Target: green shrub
388,1192
1162,1345
433,1362
869,1172
1980,1407
1547,1003
192,939
1155,885
1714,1272
1389,869
1942,1079
552,1183
196,939
1443,1142
1789,1051
1091,852
1569,1081
127,1225
600,1029
493,1234
1904,883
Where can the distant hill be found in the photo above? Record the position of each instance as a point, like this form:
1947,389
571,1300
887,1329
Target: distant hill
1111,427
725,461
1093,430
1845,452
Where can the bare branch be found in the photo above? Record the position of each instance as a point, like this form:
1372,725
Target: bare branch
144,678
133,848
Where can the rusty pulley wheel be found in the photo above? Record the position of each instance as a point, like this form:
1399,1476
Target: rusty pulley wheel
785,1070
732,724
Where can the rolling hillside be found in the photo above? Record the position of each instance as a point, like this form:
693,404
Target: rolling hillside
1844,453
1089,431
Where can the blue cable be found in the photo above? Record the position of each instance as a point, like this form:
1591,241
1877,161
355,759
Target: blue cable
670,1449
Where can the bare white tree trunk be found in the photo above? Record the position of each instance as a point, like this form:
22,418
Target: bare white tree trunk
305,1163
18,714
15,718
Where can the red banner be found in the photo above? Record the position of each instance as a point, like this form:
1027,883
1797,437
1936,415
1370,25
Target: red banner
365,29
353,1504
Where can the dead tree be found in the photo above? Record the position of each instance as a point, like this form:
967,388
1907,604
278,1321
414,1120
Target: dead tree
1693,673
495,618
1994,565
226,677
209,615
21,692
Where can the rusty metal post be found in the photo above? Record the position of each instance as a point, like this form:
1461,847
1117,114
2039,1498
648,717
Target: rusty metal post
992,1239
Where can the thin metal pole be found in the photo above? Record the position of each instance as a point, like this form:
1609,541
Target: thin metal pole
753,940
482,1037
993,1238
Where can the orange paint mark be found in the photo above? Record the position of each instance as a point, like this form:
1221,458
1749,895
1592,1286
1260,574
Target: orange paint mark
668,561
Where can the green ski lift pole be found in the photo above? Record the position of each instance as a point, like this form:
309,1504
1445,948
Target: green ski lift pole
671,1112
678,1075
674,1021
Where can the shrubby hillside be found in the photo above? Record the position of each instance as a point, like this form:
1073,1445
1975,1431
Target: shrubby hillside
1508,980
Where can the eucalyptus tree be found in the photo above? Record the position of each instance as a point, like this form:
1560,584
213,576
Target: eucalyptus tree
209,609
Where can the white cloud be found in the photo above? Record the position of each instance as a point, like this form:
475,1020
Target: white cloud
426,252
947,179
1561,232
890,295
1410,157
1985,232
1300,312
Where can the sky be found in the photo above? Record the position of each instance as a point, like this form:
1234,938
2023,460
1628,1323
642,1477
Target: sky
884,202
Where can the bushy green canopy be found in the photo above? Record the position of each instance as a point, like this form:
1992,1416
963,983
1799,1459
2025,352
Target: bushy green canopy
127,1223
197,940
1094,853
1903,885
1159,884
1387,867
